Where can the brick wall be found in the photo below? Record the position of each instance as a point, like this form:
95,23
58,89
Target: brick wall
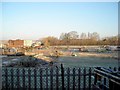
16,43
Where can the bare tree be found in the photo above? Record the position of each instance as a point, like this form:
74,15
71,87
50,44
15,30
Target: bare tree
73,35
83,36
95,36
50,40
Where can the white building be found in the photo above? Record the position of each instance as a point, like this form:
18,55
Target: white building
27,43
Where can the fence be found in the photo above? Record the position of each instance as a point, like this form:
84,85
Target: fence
48,78
107,78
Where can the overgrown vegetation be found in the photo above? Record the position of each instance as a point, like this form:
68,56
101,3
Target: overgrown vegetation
73,38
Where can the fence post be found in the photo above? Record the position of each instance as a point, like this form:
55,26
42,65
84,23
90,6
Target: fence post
41,79
79,78
89,78
6,79
84,79
23,77
62,76
68,78
118,68
51,79
47,78
12,79
73,78
104,83
35,81
29,78
95,76
57,78
18,83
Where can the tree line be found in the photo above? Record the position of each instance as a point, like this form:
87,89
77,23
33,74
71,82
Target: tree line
73,38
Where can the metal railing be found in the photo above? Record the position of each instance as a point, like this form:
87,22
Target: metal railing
107,78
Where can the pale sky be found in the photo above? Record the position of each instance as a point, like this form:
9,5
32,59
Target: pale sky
34,20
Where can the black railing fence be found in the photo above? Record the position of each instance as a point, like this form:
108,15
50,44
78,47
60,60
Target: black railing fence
107,78
48,78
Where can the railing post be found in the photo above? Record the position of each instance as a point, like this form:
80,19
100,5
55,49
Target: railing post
104,83
62,76
95,81
111,86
